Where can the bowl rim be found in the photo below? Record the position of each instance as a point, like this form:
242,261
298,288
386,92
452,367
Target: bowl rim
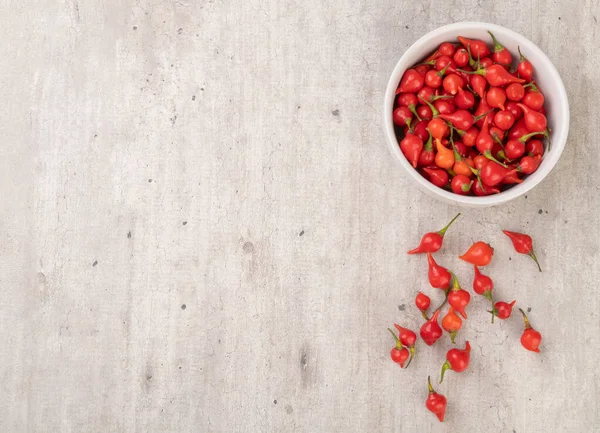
551,158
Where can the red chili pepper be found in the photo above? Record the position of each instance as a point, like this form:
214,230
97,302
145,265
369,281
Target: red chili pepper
439,277
496,75
434,78
493,173
461,184
525,68
518,130
451,323
534,99
427,156
529,164
523,244
500,55
422,302
458,298
464,99
453,83
399,354
438,128
503,310
535,148
496,97
430,331
512,179
531,338
437,176
461,57
485,141
435,402
411,82
408,339
432,241
514,149
515,92
407,99
515,110
482,284
504,120
479,84
456,360
421,130
479,254
411,147
402,116
470,137
475,46
481,189
486,62
534,121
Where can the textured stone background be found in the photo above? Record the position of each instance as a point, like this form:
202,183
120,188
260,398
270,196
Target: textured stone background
202,230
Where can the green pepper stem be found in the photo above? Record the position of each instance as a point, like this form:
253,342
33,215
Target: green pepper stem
445,367
481,116
434,110
412,355
398,344
489,156
429,387
442,232
532,255
525,319
497,45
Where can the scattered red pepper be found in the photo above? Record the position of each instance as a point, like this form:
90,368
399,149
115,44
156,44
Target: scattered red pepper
439,277
523,244
435,402
399,354
457,360
479,254
408,339
531,338
423,302
503,310
432,241
458,298
430,331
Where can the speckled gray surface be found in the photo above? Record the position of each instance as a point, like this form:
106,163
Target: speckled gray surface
201,228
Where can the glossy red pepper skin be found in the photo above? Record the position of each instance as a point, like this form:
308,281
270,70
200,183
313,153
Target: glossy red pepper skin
399,356
430,331
436,403
459,299
439,277
432,241
482,284
479,254
503,310
523,244
457,360
531,338
477,47
422,301
411,82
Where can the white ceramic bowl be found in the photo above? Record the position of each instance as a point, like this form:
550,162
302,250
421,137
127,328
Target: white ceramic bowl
545,74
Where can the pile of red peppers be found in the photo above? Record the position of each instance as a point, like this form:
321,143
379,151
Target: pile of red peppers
479,255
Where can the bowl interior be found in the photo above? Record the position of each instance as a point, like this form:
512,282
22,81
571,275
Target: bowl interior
545,75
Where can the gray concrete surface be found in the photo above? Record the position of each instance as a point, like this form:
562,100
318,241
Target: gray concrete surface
201,229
